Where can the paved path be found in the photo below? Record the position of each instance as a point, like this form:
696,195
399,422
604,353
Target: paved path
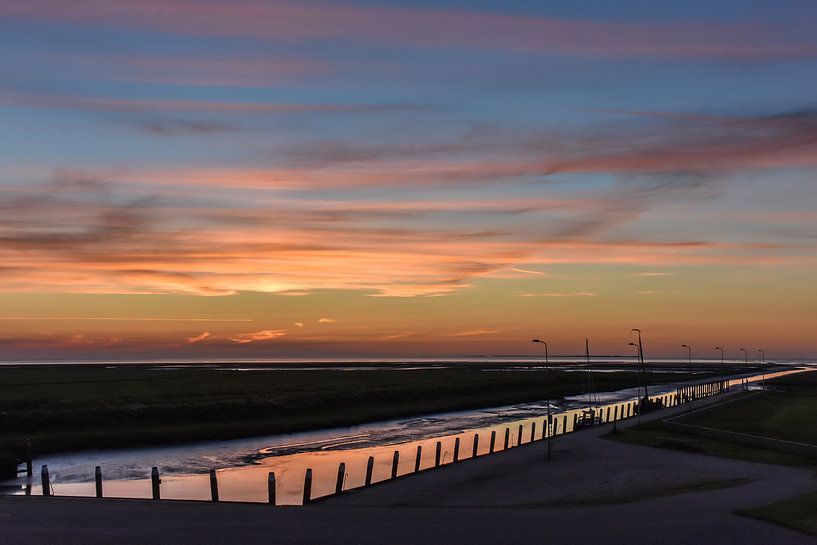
509,498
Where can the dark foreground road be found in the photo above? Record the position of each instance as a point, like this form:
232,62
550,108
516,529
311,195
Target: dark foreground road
88,522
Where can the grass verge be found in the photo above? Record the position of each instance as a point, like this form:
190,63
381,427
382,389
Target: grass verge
799,512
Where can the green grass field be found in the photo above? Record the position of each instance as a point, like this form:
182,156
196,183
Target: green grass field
70,407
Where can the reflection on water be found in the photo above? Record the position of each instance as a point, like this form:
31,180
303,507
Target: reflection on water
243,465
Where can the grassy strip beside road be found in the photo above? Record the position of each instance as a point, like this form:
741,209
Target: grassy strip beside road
799,512
71,407
785,412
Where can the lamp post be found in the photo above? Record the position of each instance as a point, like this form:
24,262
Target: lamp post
745,356
638,362
641,360
547,426
763,363
547,364
689,356
721,349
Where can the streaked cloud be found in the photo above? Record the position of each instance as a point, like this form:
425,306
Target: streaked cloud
559,294
425,27
470,333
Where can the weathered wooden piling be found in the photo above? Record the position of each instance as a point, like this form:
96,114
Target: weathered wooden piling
615,413
607,416
507,438
438,454
394,462
492,444
575,420
213,486
341,476
456,450
155,481
271,488
29,459
519,436
555,427
46,481
98,481
475,449
307,487
369,471
532,432
418,459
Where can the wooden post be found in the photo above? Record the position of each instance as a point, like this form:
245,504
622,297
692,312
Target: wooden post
555,427
271,488
369,471
419,457
98,481
394,461
307,487
615,414
213,486
607,416
519,436
507,438
45,481
575,421
438,454
155,481
341,475
493,442
456,450
475,451
532,432
29,462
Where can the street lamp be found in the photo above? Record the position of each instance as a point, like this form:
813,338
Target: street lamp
721,349
745,356
637,359
689,356
547,364
763,362
547,401
641,360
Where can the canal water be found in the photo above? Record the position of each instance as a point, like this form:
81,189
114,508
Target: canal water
243,465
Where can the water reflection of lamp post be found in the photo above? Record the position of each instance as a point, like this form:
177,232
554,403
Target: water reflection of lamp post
745,356
547,364
721,349
689,357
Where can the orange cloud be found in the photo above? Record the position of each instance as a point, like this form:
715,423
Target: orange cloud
198,338
265,335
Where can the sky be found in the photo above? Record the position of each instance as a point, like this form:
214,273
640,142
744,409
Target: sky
249,179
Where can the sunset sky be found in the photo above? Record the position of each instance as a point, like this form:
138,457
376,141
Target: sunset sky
214,178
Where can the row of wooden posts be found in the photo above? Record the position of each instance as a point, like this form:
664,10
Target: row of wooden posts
550,428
